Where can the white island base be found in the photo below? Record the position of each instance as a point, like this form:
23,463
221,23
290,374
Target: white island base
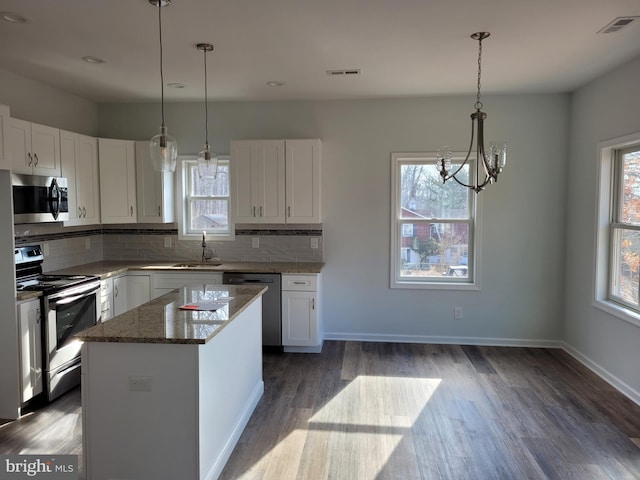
170,411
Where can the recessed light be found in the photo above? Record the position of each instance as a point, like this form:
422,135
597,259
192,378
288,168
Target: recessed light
12,17
275,84
176,85
90,59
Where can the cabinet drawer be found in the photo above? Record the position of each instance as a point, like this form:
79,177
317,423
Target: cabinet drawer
307,283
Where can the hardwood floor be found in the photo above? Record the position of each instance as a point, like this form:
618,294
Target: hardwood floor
410,411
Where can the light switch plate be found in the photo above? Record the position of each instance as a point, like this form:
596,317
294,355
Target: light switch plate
314,242
167,242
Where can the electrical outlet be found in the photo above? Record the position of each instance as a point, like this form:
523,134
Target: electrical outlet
87,243
139,384
458,313
255,242
167,242
314,242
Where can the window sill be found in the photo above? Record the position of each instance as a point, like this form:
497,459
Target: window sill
435,286
618,311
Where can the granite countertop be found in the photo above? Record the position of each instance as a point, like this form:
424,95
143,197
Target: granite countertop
162,321
111,268
106,269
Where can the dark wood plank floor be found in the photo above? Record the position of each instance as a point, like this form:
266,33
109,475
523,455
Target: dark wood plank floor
410,411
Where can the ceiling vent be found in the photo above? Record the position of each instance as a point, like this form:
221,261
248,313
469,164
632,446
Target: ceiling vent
617,24
346,73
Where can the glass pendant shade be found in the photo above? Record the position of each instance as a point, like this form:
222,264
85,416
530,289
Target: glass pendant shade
207,163
163,150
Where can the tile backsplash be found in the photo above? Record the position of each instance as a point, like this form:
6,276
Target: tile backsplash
70,246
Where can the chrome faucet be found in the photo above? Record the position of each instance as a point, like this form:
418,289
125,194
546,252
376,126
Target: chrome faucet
204,249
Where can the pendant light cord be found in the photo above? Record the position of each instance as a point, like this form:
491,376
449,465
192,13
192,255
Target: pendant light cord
161,72
206,104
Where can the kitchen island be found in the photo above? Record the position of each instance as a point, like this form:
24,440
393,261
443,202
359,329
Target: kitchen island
167,392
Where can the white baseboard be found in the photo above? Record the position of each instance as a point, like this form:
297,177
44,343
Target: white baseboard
607,376
603,373
485,341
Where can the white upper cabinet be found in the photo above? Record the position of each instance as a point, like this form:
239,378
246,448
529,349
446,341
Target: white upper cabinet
117,181
258,180
276,181
154,189
79,159
303,181
33,148
4,125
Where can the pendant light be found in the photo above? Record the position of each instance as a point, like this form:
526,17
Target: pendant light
492,161
207,160
163,149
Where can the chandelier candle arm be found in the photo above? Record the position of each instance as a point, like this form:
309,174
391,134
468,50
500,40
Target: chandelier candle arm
494,162
163,148
207,160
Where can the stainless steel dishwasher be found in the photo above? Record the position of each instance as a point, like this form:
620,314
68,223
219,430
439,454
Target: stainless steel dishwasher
271,304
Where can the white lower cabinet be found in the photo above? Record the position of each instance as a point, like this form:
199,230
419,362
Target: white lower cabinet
301,313
167,281
106,299
130,291
30,349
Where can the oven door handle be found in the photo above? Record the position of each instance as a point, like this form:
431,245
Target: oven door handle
65,300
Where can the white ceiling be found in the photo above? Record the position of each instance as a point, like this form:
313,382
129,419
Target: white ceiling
402,47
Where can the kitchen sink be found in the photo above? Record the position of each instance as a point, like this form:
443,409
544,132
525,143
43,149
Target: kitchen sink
197,264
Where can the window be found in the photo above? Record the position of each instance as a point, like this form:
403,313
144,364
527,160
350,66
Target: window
625,228
618,240
205,202
433,226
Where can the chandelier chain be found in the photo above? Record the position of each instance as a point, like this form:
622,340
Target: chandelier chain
478,102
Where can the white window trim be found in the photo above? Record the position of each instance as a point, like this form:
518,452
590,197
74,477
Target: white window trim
474,283
606,151
180,189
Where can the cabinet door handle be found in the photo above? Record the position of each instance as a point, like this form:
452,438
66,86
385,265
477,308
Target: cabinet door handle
260,211
84,212
37,316
313,304
159,211
30,158
115,291
79,212
131,211
254,211
35,155
289,210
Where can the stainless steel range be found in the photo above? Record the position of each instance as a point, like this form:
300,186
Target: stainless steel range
69,304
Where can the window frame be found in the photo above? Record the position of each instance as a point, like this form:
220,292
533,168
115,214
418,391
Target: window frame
471,282
610,186
182,196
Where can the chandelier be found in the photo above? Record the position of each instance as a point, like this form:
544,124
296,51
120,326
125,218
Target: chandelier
163,149
492,161
207,160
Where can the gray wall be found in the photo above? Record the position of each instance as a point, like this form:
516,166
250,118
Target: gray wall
521,296
36,102
606,108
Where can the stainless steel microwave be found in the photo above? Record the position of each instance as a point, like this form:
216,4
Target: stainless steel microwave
39,199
